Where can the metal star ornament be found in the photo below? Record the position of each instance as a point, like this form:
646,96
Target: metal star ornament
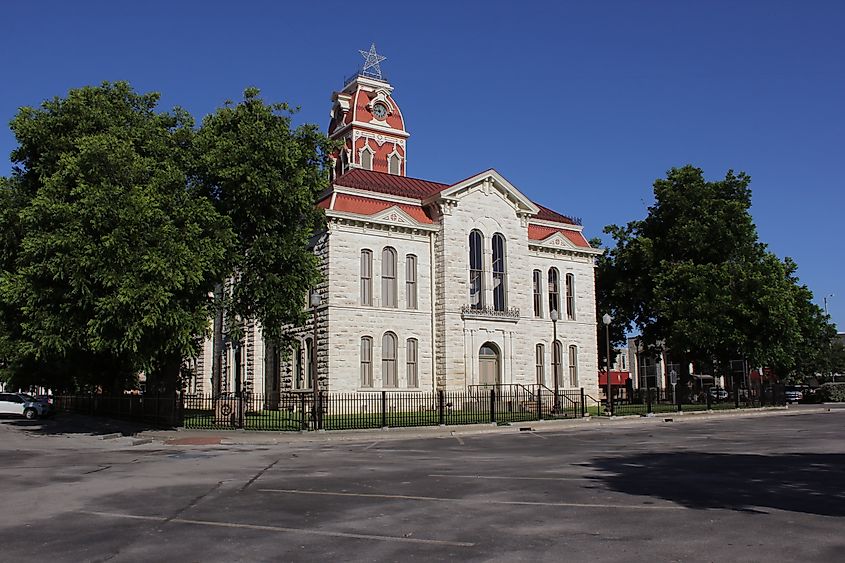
371,61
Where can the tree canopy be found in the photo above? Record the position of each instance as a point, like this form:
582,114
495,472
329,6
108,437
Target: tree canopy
119,220
693,277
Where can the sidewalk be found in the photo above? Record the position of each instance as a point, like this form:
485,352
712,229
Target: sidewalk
191,437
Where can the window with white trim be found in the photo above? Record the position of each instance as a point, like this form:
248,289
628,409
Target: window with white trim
554,291
366,158
538,293
366,361
388,360
499,273
476,269
411,281
573,366
388,277
394,164
570,297
557,352
366,277
540,364
412,374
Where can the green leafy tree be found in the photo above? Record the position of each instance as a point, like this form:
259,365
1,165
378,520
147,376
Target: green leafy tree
693,277
265,176
108,252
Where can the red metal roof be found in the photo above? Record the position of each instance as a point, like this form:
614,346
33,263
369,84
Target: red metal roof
392,184
542,232
369,206
547,214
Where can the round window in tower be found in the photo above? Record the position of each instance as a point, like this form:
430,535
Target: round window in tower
379,110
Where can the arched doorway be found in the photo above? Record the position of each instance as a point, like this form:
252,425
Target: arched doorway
488,364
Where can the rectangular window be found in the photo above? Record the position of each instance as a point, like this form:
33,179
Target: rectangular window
538,294
388,277
540,364
388,360
476,272
411,364
573,366
366,277
411,281
556,357
366,362
554,295
499,284
570,297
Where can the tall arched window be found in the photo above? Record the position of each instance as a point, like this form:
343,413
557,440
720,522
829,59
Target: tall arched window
394,163
366,159
299,371
412,373
557,352
411,281
499,273
366,361
573,366
538,293
388,360
309,364
554,291
570,297
366,277
476,269
540,364
388,277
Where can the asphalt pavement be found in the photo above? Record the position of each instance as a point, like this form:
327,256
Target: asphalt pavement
764,486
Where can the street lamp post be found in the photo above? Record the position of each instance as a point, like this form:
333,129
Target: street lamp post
555,360
606,319
318,407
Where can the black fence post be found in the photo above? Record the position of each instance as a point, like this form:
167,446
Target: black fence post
583,403
383,409
539,404
707,395
319,410
303,421
492,405
441,415
648,400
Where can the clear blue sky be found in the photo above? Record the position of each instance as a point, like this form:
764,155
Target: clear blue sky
580,104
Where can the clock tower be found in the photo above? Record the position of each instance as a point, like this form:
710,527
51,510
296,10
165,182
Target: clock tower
369,123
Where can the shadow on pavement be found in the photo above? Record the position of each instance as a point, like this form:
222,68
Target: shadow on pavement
71,423
808,483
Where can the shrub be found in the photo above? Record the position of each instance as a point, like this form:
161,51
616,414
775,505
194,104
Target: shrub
832,392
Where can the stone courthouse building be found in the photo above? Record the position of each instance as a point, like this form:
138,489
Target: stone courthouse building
428,285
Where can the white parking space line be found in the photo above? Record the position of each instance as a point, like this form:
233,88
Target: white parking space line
278,529
476,501
506,477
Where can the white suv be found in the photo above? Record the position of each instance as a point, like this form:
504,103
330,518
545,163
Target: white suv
19,403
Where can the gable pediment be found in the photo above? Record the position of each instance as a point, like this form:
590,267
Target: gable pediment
396,215
556,240
490,181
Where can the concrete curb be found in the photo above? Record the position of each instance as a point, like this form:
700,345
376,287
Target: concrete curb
256,438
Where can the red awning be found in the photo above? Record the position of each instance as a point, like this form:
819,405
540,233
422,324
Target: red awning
616,377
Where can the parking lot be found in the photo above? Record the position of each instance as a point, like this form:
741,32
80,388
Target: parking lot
735,488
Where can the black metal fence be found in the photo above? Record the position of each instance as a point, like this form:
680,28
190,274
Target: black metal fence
495,404
655,401
155,411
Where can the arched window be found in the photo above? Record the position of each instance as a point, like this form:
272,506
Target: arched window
309,364
476,270
412,374
366,277
388,277
411,281
540,362
557,352
299,371
499,273
344,162
573,366
570,297
366,361
388,360
394,163
538,293
554,291
366,159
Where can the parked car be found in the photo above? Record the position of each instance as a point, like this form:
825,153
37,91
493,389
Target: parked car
22,404
717,393
793,393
